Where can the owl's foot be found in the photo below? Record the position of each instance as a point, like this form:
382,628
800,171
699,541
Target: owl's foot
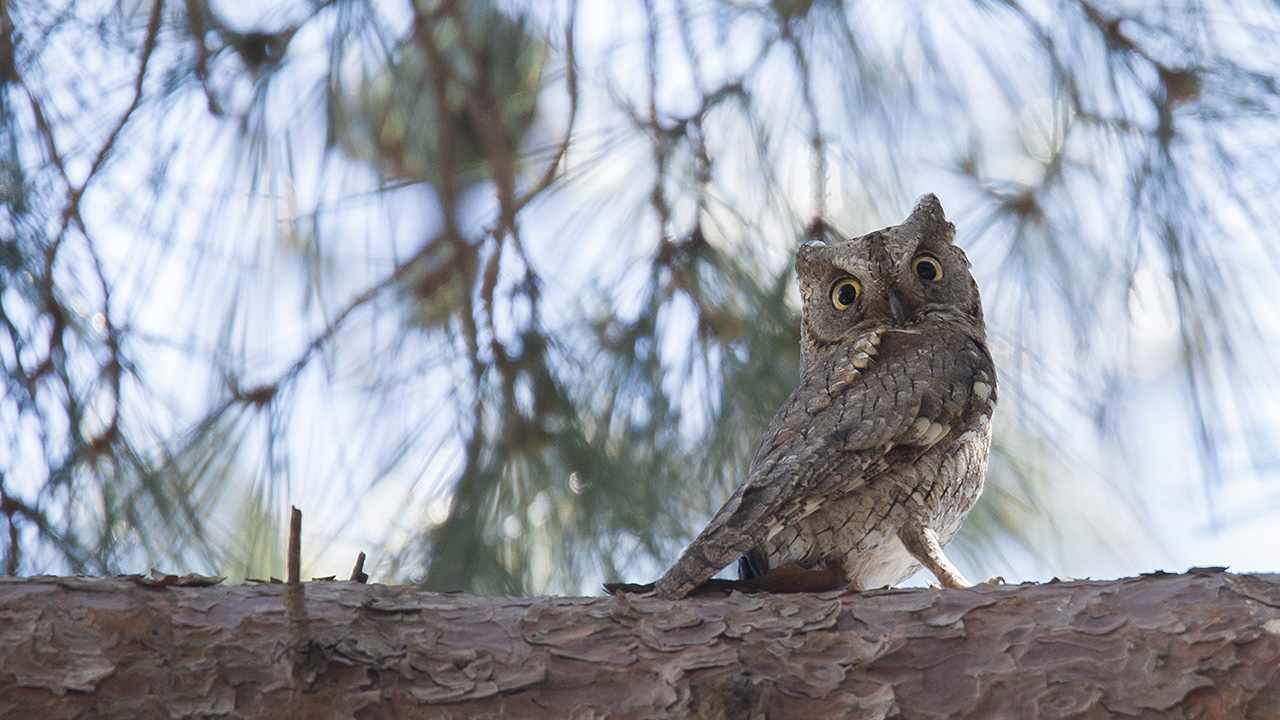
994,580
922,542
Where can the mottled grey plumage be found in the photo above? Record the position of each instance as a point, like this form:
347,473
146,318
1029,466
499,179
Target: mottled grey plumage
880,452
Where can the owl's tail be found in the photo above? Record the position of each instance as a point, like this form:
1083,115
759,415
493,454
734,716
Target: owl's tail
702,559
682,578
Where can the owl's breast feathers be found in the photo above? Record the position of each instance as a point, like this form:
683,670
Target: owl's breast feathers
883,389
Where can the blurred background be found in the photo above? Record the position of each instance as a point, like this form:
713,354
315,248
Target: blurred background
502,293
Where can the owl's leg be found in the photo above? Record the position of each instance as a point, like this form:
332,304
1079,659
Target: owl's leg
752,564
922,543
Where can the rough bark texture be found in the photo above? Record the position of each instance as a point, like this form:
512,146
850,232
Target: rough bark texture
1204,644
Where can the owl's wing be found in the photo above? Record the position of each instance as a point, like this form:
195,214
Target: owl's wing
834,434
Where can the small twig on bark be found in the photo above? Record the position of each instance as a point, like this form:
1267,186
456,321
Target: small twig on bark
303,652
357,573
294,552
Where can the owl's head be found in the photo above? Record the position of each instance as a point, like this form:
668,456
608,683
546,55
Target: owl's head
907,276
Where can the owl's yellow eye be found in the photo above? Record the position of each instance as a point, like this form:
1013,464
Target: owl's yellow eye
844,292
927,267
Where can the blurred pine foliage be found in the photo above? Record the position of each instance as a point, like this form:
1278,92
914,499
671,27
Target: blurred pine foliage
501,291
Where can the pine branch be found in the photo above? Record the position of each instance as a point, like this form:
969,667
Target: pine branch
1201,644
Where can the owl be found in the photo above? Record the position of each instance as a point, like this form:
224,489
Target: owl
874,460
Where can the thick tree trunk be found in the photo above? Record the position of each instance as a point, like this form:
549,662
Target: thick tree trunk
1204,644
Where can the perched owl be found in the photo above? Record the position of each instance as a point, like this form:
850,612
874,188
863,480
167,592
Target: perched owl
868,469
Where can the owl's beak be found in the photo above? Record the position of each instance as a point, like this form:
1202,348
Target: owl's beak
896,310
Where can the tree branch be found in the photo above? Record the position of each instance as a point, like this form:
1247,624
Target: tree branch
1202,644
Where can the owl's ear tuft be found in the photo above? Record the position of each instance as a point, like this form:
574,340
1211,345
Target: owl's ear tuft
929,220
930,205
815,252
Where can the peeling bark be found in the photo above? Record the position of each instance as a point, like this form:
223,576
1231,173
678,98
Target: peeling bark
1205,644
